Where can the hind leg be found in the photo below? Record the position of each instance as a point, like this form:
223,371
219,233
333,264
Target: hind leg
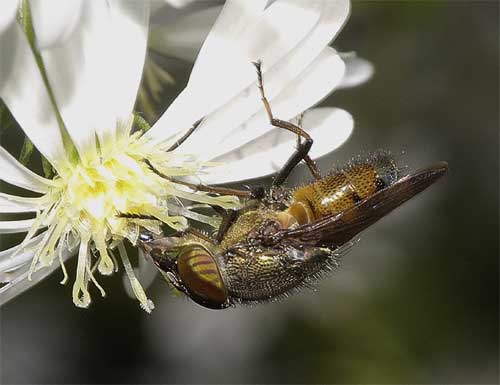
302,151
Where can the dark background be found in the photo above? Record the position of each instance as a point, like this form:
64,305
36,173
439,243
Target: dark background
415,301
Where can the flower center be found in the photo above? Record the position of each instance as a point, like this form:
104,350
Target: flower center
109,197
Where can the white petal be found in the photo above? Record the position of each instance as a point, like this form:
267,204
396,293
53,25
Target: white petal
358,71
15,204
21,283
183,37
275,33
333,16
21,226
54,21
8,264
24,92
95,74
223,69
179,3
16,174
8,13
329,127
6,277
233,124
131,27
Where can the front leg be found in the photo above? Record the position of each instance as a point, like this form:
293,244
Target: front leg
200,187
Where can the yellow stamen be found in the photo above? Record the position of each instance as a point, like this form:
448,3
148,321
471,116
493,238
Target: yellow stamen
60,248
81,295
145,302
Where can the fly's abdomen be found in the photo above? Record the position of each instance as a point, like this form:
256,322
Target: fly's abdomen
343,188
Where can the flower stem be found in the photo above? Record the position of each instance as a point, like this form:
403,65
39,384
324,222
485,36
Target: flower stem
24,18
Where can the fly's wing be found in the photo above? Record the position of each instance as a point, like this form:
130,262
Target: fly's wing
335,230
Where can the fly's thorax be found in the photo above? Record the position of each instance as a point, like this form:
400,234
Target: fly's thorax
278,198
344,188
247,224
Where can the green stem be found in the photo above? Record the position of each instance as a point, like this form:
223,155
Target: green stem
24,18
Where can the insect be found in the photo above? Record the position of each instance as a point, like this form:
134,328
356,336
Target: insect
284,239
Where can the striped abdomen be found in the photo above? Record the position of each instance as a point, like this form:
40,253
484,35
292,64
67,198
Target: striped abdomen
201,276
342,189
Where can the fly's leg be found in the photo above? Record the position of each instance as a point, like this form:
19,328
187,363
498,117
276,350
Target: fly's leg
196,187
228,218
198,234
201,187
298,155
302,151
311,165
137,216
183,138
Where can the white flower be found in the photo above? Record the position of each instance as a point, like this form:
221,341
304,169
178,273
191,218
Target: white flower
8,14
173,34
94,75
179,3
53,24
180,32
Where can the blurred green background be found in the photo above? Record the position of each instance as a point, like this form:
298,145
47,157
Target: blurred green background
416,301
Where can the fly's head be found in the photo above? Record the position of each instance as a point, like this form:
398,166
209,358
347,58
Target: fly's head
190,264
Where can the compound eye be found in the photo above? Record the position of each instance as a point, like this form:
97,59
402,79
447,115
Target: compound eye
200,275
